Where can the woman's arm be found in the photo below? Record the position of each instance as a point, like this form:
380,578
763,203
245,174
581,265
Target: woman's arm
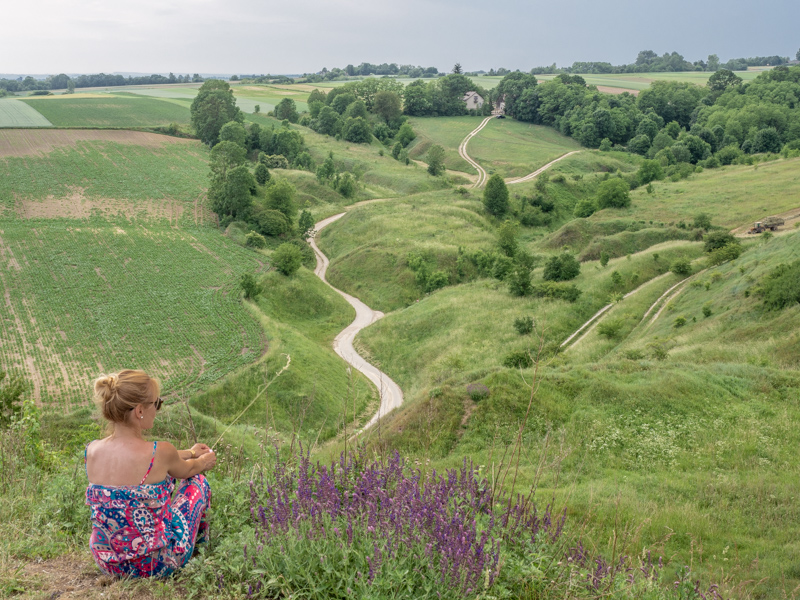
180,467
194,452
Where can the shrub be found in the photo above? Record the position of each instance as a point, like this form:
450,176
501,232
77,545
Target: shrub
681,266
477,391
435,160
561,268
560,291
273,222
718,239
436,280
287,258
613,193
724,254
11,389
610,328
634,354
255,240
250,286
707,309
523,325
585,208
274,161
658,350
702,221
518,359
345,184
781,286
604,257
679,322
519,280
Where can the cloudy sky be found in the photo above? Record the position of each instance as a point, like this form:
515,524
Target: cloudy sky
296,36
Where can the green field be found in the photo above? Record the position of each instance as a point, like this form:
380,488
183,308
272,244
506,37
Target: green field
86,298
167,182
114,111
14,113
733,196
247,96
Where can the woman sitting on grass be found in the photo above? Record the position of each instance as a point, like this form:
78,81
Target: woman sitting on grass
138,528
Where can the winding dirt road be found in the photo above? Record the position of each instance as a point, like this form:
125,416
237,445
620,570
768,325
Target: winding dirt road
483,176
390,393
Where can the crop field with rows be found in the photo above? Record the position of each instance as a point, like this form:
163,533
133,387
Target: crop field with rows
14,113
94,176
113,111
83,298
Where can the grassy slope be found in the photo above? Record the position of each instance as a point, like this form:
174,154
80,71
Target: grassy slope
114,111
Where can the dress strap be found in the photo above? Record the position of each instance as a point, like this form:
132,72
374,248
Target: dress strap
152,460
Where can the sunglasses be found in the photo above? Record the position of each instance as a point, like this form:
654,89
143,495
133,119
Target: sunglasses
158,402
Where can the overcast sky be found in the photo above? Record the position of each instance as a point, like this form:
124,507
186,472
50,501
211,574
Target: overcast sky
296,36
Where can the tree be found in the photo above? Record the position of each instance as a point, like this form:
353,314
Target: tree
722,80
767,140
329,122
650,170
613,193
11,389
561,268
639,144
797,56
280,197
250,286
262,174
257,108
327,170
357,130
224,156
405,135
387,105
213,106
584,208
233,132
287,258
457,69
702,221
495,196
435,160
70,87
507,238
306,225
713,62
233,195
718,239
287,109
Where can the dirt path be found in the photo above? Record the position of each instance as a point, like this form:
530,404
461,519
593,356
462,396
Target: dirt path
482,175
791,219
390,393
462,150
541,170
596,317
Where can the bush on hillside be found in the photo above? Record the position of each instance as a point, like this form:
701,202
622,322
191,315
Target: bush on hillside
255,240
682,267
477,391
724,254
781,286
560,291
614,193
518,359
561,268
718,239
287,258
523,325
250,287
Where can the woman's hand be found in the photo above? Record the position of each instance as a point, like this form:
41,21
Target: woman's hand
208,460
200,449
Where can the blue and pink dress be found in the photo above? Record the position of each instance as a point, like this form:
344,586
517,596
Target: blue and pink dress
142,530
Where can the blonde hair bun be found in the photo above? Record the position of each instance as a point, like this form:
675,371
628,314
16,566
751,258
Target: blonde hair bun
118,393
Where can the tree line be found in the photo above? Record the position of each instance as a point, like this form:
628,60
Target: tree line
366,69
648,61
64,82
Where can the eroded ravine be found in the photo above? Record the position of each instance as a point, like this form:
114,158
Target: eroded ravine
390,393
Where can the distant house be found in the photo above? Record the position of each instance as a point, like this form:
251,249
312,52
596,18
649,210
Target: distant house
473,100
499,109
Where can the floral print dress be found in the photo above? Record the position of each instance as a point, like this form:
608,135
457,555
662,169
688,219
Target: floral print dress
141,530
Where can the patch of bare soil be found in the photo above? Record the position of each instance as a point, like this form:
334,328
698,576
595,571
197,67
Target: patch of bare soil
78,206
615,90
31,142
74,576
